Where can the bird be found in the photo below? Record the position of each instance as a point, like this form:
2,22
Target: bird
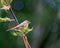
22,26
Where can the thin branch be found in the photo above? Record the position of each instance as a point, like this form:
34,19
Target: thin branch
12,13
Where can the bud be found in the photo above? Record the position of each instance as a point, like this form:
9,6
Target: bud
5,7
6,19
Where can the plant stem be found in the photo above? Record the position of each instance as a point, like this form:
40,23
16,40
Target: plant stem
12,13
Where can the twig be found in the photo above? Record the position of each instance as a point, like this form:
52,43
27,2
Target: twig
12,13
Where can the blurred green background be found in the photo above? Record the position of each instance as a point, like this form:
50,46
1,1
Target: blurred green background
44,17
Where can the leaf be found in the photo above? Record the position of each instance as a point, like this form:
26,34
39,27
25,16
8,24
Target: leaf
14,34
3,2
26,31
10,1
5,19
